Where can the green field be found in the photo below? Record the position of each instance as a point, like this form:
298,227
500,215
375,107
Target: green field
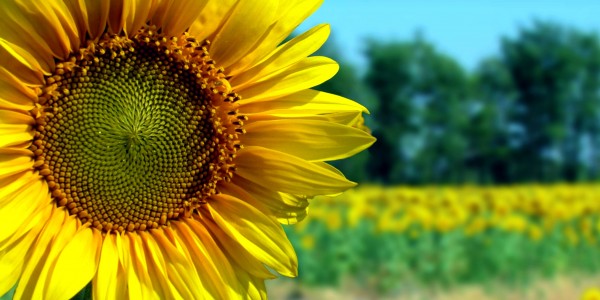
394,241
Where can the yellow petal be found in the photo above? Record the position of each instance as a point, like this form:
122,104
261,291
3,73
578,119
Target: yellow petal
127,258
11,262
20,150
121,290
306,102
91,16
20,206
68,26
307,139
117,14
302,75
14,164
288,209
96,13
53,25
14,94
75,266
329,167
210,19
175,16
12,183
123,255
20,30
235,251
289,15
137,12
261,235
182,273
237,36
58,231
139,282
233,190
13,254
13,117
287,173
256,288
14,134
135,288
157,267
77,10
284,56
347,118
105,282
33,226
11,105
13,189
211,264
20,63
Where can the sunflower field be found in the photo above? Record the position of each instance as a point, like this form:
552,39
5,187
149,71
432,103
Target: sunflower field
390,238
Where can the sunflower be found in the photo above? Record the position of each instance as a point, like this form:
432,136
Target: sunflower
152,149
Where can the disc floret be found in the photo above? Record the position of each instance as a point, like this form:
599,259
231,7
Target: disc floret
132,132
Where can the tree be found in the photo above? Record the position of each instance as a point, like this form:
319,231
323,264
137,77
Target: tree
421,108
492,132
555,71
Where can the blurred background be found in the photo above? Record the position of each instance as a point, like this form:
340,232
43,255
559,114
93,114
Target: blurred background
482,183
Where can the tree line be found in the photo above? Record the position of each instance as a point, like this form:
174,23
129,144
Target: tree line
531,113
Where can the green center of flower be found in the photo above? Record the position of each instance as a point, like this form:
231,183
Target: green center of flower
134,132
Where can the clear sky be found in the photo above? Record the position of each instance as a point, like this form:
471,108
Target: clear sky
468,30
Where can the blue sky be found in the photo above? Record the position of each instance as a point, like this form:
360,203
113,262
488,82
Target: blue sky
468,30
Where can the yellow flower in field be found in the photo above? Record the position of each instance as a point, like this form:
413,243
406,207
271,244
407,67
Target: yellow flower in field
559,212
535,232
308,242
591,294
401,224
333,220
476,226
513,223
414,233
571,235
151,147
422,216
443,222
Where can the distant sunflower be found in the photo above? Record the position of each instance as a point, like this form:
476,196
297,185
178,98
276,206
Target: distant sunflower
153,147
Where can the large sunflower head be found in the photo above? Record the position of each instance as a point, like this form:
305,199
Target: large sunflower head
153,148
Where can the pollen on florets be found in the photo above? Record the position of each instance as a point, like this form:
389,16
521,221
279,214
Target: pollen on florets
132,132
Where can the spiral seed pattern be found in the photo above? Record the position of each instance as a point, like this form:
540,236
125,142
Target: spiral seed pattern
132,133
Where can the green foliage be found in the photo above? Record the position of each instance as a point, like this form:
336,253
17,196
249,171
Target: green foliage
530,113
555,74
491,132
421,112
391,260
390,237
